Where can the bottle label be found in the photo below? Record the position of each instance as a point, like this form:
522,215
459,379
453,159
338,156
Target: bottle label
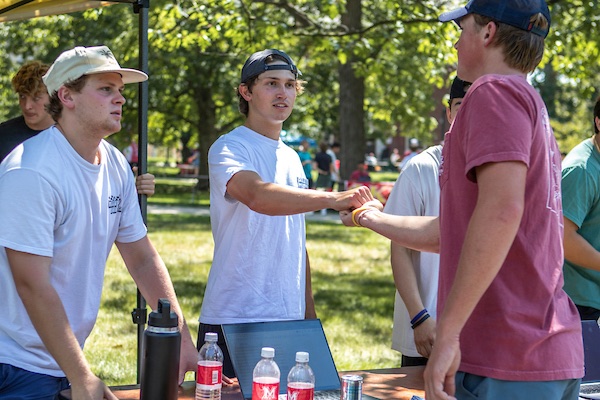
300,391
210,373
265,389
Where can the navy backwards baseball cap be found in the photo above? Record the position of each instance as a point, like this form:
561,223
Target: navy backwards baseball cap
459,88
256,64
516,13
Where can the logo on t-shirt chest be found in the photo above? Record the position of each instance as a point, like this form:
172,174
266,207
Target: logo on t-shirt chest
114,204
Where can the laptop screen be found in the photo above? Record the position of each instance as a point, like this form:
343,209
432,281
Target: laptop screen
591,350
245,342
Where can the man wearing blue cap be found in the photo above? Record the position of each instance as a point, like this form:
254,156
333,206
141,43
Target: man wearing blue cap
505,328
258,198
501,222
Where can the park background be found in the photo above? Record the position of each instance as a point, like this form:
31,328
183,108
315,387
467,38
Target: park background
373,70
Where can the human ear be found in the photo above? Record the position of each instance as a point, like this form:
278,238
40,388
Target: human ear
245,91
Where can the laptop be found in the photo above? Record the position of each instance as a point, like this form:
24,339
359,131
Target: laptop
246,340
590,383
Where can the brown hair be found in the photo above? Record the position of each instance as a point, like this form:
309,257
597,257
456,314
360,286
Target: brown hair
28,80
523,50
55,107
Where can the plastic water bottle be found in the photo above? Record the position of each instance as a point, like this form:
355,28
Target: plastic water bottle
301,379
209,377
266,376
160,367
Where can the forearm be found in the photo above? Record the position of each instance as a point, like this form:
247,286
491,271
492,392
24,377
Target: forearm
405,279
579,251
415,232
310,312
273,199
47,314
491,232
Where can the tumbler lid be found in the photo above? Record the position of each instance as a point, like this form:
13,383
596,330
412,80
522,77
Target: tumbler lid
163,317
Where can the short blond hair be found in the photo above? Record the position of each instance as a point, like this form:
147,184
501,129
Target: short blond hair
523,50
28,80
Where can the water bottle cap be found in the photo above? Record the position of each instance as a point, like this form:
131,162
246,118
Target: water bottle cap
211,337
268,352
302,356
163,317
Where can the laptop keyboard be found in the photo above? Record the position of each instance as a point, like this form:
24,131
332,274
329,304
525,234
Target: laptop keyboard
589,388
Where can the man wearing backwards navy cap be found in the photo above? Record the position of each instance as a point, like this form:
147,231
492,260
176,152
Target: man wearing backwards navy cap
504,321
259,194
505,328
66,196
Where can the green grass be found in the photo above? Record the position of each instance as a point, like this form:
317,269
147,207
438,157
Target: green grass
352,285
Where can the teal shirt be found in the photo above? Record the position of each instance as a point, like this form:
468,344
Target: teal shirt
305,156
581,205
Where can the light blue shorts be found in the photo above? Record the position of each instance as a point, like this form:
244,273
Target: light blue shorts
19,384
469,386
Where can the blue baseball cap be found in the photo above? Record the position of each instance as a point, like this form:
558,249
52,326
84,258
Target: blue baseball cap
256,64
516,13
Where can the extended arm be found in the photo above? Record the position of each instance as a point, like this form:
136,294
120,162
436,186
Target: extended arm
578,250
272,199
31,274
152,278
415,232
491,232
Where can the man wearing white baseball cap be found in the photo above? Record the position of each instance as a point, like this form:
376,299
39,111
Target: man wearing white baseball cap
66,196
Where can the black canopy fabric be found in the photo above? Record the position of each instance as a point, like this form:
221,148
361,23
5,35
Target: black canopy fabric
12,10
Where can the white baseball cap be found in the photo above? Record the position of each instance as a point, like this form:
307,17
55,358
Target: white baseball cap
75,63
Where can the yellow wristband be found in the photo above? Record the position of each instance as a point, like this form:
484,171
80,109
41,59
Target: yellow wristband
355,212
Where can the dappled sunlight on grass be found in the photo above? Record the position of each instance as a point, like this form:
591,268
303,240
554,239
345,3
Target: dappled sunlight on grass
352,285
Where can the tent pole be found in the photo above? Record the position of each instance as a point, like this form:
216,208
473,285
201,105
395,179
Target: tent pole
141,8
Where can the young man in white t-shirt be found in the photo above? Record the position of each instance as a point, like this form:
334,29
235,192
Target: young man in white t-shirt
417,192
259,194
66,196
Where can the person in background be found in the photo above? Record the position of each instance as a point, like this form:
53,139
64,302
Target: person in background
395,158
360,174
131,153
194,160
581,215
66,197
333,151
33,99
505,327
415,148
306,160
324,166
417,192
258,197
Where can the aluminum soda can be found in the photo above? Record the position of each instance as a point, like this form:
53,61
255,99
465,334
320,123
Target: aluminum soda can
351,387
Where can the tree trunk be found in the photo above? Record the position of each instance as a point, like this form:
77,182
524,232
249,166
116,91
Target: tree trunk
352,93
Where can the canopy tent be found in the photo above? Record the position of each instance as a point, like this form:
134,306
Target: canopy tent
12,10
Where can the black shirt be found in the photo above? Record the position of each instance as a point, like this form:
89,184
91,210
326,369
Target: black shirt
12,133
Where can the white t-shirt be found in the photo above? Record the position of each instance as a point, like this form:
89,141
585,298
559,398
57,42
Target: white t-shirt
55,204
335,175
417,192
259,264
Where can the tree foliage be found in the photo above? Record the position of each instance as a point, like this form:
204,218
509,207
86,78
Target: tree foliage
371,67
